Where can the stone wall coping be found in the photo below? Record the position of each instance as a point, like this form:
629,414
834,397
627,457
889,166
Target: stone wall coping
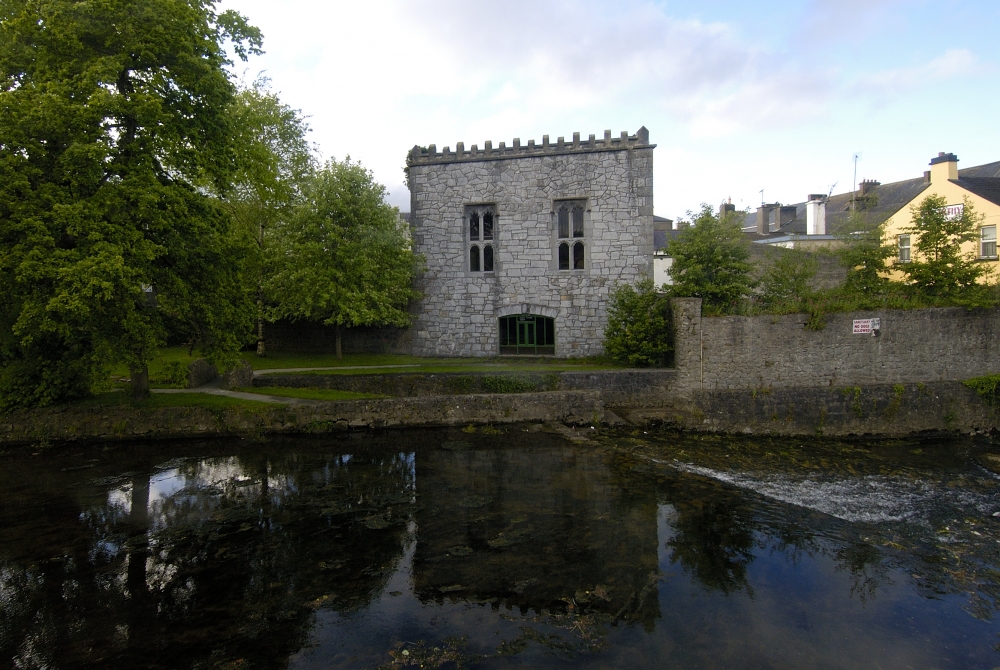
431,156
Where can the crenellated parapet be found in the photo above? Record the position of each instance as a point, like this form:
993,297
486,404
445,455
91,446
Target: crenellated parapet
431,156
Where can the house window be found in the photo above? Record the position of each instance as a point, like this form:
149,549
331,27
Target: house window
988,242
570,251
904,248
480,224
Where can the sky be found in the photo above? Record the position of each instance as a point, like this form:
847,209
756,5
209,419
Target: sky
739,97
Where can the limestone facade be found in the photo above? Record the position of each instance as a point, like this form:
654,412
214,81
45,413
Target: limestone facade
468,291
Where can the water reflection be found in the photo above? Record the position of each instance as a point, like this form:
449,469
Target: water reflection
450,549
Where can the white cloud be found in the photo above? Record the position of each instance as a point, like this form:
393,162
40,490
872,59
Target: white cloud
952,64
380,76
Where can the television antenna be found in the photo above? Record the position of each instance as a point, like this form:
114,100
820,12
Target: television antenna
854,186
830,193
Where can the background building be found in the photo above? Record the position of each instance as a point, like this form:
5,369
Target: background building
979,185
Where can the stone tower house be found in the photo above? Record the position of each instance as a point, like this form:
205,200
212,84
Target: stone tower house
523,243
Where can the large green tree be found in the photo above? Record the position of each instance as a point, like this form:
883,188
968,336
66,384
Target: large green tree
940,268
711,260
864,253
344,259
114,128
274,161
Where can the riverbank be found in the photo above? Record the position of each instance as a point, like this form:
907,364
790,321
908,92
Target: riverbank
630,397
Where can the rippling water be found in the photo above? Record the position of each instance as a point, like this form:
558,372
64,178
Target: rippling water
454,549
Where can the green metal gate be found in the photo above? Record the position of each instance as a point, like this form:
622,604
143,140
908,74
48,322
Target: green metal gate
527,334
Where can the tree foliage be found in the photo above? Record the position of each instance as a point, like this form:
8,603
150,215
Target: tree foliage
785,281
711,261
274,161
112,124
864,253
940,268
343,259
640,329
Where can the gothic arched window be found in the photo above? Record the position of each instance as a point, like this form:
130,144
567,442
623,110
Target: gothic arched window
481,224
571,226
564,256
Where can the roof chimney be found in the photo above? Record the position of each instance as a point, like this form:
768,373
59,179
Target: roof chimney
868,186
944,168
816,214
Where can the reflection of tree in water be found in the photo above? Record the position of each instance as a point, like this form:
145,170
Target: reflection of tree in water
714,540
867,567
217,558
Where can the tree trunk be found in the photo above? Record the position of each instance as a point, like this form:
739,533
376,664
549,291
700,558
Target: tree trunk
140,383
260,337
138,527
340,351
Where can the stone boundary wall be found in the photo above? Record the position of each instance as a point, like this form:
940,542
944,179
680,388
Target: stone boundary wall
877,411
883,411
639,388
68,424
770,352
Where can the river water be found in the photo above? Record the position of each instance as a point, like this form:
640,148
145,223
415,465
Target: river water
510,548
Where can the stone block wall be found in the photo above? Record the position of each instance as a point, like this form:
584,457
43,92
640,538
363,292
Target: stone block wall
920,345
459,313
316,338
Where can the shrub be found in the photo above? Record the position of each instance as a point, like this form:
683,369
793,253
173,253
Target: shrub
786,279
508,384
640,328
987,387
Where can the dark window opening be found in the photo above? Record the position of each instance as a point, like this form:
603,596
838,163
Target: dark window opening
527,334
563,222
488,226
482,224
474,226
570,216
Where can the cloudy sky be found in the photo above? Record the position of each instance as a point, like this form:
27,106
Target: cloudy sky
738,96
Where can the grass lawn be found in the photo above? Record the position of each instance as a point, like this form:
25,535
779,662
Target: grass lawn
169,368
415,364
122,399
308,394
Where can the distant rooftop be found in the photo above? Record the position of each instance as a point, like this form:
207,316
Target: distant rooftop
882,200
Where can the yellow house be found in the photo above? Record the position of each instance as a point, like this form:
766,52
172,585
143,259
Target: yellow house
980,187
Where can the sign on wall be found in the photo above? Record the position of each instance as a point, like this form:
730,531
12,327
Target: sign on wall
952,212
866,326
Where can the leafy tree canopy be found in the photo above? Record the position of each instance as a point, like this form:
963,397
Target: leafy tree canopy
274,161
864,253
711,261
640,329
940,268
113,123
343,259
786,279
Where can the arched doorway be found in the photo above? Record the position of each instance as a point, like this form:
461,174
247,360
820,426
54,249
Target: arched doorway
527,334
